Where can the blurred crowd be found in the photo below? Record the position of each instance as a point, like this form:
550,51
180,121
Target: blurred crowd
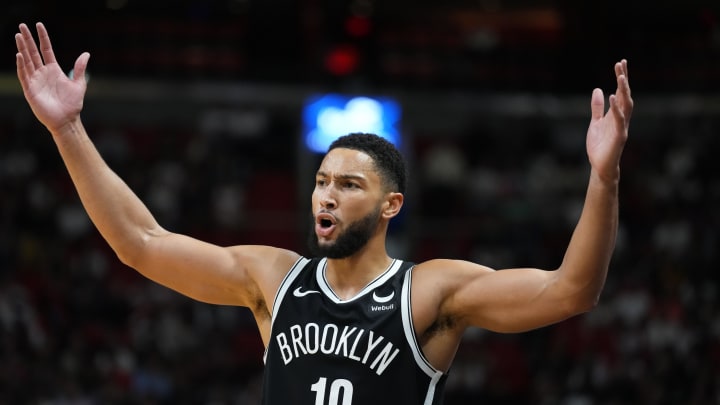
78,327
654,338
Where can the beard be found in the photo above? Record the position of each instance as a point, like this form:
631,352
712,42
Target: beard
347,243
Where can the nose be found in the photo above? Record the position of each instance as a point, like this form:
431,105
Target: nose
326,198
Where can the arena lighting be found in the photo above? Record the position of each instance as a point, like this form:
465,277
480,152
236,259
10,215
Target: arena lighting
329,116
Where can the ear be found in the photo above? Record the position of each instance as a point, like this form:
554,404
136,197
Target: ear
392,205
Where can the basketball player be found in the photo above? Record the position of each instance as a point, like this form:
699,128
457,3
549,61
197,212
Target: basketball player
351,325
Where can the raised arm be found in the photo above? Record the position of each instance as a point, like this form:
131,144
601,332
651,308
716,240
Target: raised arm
585,265
521,299
200,270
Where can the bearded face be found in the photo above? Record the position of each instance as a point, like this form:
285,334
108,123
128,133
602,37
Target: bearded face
352,239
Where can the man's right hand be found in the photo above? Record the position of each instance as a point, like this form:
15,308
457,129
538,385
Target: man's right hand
55,99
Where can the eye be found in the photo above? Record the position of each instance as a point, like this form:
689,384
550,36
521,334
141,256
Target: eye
320,182
350,185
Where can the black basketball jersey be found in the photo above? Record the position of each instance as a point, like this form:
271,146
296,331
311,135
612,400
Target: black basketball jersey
361,351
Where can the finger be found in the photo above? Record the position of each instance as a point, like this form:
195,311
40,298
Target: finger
45,45
621,74
621,68
624,87
28,66
618,113
20,43
625,99
625,68
597,104
81,66
30,46
614,104
22,73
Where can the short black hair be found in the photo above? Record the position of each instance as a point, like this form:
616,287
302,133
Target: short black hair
388,160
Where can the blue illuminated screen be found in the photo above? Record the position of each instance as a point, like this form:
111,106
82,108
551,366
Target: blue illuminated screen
330,116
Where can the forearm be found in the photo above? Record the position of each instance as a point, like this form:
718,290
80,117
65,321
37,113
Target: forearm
119,215
587,259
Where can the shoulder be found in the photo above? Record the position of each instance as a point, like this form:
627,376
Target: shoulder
266,266
442,278
434,289
449,269
264,257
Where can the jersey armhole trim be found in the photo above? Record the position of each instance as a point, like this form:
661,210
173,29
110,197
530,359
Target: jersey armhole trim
409,328
282,289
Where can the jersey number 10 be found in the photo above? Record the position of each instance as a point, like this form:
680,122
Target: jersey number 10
340,388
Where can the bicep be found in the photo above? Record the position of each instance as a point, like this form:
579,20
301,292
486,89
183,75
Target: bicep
237,275
511,300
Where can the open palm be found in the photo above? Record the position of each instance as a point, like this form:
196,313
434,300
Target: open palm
54,98
608,132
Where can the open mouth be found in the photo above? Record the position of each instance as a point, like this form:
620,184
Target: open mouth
324,224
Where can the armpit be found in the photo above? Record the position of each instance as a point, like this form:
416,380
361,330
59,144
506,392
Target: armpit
441,325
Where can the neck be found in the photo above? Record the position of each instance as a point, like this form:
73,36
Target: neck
349,275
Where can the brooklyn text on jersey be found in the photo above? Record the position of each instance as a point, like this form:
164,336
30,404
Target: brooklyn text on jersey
347,341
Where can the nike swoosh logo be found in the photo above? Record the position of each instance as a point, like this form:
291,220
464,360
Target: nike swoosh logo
385,299
299,293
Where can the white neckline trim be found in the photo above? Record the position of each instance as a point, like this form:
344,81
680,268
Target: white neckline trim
380,279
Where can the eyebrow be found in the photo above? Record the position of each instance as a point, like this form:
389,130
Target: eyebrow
343,176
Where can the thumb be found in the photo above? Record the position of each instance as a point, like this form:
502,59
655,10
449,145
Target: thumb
597,104
81,66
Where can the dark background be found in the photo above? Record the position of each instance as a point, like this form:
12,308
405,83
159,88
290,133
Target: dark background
197,104
557,46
